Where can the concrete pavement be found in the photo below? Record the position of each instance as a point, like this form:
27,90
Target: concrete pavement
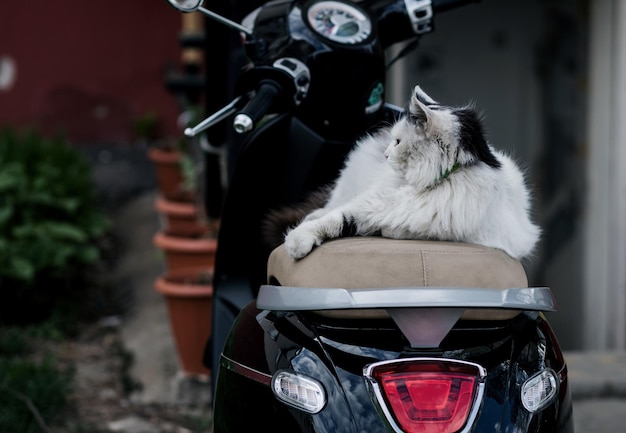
145,326
598,385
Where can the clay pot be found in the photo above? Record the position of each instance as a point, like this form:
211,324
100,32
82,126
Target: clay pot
169,175
182,219
186,253
189,298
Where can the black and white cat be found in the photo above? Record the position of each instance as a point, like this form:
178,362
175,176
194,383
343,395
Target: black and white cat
431,175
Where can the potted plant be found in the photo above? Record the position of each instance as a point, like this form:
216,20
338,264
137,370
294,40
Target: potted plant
173,172
189,297
174,162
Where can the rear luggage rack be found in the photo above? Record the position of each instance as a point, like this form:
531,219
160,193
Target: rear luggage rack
284,298
425,315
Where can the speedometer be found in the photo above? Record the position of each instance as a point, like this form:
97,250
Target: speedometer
340,22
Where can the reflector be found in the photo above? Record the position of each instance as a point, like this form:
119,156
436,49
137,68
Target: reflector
298,391
539,390
426,395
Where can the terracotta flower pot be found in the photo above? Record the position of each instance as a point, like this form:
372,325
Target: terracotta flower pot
189,298
169,175
182,219
186,253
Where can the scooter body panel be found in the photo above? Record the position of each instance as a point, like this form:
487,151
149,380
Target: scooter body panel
335,353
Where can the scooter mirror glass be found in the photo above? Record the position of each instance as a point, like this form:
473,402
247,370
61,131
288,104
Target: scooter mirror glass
186,5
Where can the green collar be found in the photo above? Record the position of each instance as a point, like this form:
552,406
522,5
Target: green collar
448,172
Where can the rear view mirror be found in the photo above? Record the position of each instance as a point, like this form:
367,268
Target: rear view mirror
186,5
196,5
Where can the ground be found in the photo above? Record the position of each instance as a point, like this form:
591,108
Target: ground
105,395
102,397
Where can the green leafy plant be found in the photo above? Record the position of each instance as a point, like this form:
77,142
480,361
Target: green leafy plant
147,126
49,222
13,343
32,394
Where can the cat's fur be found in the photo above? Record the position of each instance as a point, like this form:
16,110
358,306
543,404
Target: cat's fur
431,175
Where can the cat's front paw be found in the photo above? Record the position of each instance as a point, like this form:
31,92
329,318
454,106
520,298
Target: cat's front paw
299,242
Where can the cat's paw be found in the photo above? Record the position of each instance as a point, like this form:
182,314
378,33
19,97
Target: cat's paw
299,242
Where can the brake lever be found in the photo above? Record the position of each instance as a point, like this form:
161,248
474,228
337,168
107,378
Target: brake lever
214,118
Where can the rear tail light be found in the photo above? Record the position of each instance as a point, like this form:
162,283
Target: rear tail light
427,395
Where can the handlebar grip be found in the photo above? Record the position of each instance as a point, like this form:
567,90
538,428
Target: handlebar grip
258,106
444,5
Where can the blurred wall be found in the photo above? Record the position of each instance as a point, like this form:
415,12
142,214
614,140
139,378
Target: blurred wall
524,63
88,69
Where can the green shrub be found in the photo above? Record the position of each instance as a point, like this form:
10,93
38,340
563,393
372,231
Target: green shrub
31,394
13,343
49,224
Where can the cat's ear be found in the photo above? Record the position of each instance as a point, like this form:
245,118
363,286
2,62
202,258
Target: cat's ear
420,95
420,113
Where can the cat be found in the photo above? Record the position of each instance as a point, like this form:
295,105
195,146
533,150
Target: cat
431,175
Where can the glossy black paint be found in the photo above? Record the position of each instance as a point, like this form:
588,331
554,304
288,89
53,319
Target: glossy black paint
335,353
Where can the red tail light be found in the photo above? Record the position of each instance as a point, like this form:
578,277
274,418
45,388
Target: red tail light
427,395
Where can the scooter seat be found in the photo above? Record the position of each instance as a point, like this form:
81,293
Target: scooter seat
368,262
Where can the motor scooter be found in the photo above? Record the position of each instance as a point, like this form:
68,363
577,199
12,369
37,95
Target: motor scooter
365,333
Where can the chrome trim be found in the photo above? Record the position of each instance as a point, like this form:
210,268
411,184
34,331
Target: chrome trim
214,118
377,395
247,372
225,21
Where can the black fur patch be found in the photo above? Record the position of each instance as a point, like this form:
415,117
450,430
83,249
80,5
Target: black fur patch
473,137
277,222
348,228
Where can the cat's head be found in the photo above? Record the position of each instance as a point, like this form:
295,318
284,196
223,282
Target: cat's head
432,140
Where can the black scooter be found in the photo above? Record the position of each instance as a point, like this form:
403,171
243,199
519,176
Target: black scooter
364,334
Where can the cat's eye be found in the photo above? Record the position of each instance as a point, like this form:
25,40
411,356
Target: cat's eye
397,141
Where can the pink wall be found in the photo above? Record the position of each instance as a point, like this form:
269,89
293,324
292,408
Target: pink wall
88,71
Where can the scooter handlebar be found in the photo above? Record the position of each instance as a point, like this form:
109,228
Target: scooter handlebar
257,107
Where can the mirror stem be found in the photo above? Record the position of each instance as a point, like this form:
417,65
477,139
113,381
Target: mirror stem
226,21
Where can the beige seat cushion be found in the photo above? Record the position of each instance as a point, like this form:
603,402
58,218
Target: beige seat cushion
368,262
